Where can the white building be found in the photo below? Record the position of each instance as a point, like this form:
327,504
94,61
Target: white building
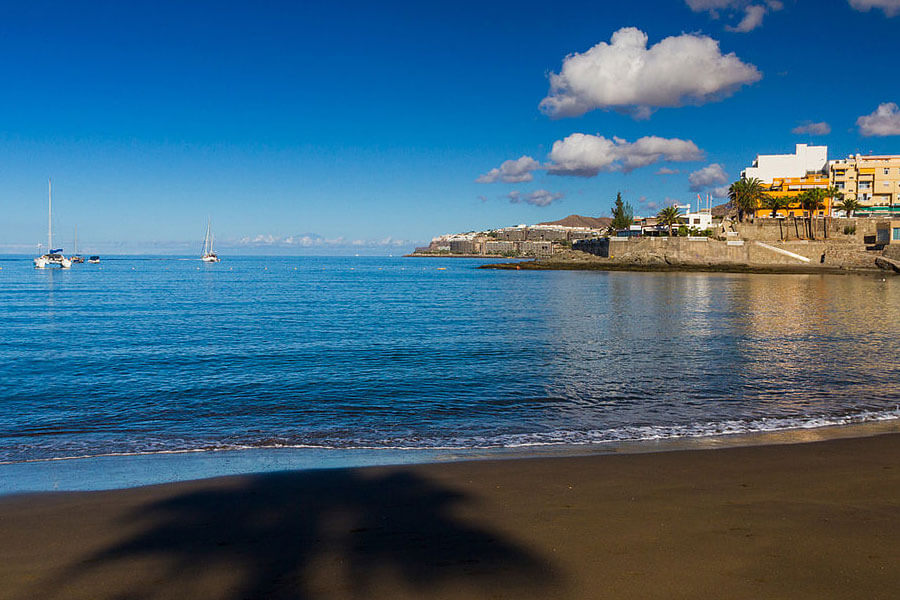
806,159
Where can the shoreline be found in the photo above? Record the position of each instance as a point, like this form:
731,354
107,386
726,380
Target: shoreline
802,520
600,265
134,470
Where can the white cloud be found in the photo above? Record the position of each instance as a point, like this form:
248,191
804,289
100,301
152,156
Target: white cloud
753,12
708,176
667,171
884,121
890,7
710,5
512,171
753,18
648,204
313,240
720,192
810,128
535,198
626,75
585,155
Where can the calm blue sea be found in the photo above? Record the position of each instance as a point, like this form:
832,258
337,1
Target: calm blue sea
154,355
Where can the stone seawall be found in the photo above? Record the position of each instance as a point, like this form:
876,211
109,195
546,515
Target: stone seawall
705,251
704,254
792,229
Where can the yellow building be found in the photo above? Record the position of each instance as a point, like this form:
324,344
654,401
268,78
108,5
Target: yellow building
792,187
874,181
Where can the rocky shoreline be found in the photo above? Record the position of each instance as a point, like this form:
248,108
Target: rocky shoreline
574,260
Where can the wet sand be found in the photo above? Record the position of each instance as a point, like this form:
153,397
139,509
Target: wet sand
814,520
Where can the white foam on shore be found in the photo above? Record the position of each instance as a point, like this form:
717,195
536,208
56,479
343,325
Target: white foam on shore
648,433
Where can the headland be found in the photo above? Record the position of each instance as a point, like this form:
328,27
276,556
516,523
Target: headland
824,245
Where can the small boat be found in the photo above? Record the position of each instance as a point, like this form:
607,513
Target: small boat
54,256
94,259
76,258
208,255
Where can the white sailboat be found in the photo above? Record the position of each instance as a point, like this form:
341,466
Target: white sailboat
76,258
54,256
208,255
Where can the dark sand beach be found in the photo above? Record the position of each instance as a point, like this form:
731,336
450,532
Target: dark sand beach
814,520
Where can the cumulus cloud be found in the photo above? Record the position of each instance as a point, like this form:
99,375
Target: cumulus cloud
890,7
535,198
708,176
810,128
585,155
752,12
511,171
667,171
720,192
884,121
628,76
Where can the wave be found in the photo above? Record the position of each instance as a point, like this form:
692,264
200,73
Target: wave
635,433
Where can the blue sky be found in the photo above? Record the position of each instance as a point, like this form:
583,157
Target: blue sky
307,128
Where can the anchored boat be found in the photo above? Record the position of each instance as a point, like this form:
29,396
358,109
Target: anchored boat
76,258
208,255
54,256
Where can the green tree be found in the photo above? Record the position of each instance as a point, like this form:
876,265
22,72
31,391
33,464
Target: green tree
668,216
745,195
775,203
849,206
623,214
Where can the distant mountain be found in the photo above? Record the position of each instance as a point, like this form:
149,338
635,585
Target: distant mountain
579,221
721,210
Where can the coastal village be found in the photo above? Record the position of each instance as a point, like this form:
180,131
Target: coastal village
787,209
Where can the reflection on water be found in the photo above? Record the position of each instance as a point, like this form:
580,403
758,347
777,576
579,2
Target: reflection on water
159,355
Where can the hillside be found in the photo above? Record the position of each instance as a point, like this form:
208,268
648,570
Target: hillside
580,221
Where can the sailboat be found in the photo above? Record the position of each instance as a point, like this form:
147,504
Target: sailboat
76,258
54,256
208,255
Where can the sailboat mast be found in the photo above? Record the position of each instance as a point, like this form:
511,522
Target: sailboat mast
49,215
75,249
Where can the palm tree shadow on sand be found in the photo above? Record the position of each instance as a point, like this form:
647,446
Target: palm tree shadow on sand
308,535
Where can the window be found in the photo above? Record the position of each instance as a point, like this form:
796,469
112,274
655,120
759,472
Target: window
896,234
887,171
840,185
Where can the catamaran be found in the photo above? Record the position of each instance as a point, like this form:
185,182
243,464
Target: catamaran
208,255
54,256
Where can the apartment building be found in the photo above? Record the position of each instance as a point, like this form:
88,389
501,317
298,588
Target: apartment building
791,188
804,160
874,181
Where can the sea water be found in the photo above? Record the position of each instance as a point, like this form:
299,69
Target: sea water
365,360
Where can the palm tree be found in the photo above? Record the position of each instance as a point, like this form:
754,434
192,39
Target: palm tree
811,201
776,203
745,195
849,206
668,216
